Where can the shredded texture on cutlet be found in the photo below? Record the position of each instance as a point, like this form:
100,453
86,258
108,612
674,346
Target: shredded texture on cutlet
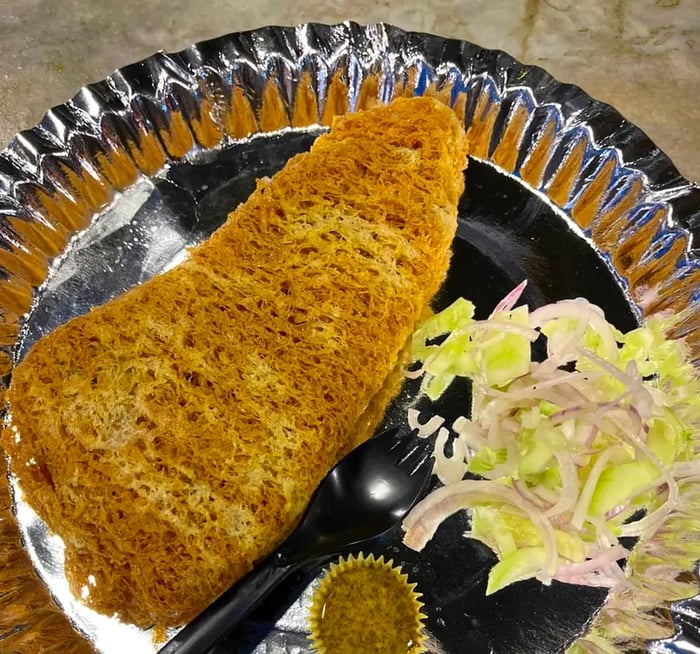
173,436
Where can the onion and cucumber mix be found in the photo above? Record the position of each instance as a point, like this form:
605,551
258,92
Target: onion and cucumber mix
568,455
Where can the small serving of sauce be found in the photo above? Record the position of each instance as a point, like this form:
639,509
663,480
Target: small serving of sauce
366,605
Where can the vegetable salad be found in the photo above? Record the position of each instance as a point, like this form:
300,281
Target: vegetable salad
564,457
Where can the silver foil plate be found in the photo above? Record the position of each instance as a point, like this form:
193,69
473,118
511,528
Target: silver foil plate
112,187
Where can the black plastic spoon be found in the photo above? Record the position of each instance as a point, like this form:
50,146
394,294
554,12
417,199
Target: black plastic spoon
364,496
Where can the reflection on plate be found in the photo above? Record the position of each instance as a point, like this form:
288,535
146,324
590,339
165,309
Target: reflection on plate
561,190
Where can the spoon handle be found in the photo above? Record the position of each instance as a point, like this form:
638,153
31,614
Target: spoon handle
230,609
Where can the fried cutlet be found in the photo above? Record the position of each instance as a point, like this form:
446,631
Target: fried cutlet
173,436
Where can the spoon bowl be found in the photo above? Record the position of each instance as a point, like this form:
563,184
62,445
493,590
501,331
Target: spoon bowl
361,498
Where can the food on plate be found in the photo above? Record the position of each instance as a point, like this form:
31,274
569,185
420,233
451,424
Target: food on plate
569,454
173,436
365,604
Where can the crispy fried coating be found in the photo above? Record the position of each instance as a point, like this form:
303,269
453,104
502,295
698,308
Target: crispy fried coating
173,436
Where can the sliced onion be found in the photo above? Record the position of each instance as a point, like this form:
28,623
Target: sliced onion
584,500
533,391
569,489
630,377
595,564
414,374
590,438
546,494
500,326
521,488
604,535
449,469
648,525
470,433
422,522
510,466
606,578
423,429
509,301
682,469
581,310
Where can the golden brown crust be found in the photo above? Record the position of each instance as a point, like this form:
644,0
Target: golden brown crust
174,435
30,622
